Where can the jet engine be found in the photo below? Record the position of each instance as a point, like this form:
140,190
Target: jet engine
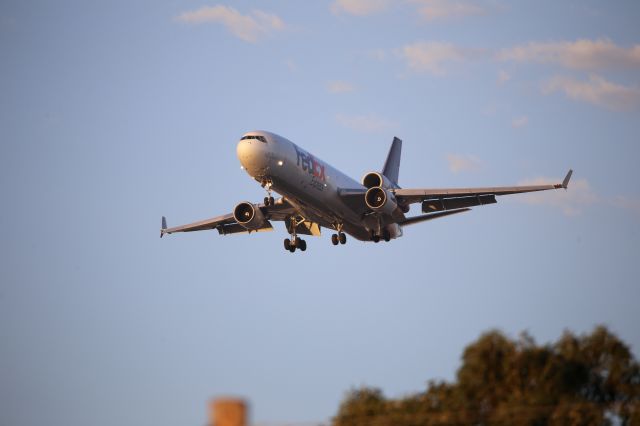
380,200
249,216
374,179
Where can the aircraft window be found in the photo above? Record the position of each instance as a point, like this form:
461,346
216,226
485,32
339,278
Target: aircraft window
260,138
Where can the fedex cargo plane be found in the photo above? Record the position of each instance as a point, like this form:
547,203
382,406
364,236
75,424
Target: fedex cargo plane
315,195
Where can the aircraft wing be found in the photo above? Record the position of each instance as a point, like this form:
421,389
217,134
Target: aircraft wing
226,224
455,198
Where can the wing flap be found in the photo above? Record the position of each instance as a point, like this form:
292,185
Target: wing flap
439,204
430,216
409,196
235,228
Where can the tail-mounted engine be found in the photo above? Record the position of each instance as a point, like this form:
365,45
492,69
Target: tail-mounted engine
249,216
375,179
380,200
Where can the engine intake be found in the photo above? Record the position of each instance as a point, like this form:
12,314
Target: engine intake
380,200
249,216
372,179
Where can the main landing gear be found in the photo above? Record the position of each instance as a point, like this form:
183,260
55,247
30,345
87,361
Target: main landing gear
386,235
295,242
340,237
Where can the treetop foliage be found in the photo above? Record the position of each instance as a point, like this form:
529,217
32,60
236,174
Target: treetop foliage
591,379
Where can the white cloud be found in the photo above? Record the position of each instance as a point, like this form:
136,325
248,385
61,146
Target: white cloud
340,87
581,54
444,9
578,197
432,56
463,163
364,123
503,77
291,65
571,201
359,7
596,90
627,203
520,122
246,27
377,54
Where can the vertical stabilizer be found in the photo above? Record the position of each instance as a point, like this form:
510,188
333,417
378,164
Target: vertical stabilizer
392,165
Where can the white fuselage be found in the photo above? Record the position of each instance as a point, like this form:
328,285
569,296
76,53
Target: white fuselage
308,183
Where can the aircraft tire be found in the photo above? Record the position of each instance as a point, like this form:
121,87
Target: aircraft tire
287,244
343,238
303,245
334,239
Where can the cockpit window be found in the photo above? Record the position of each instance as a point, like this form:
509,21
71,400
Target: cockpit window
260,138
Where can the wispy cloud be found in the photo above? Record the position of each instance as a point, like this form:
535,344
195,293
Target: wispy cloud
432,57
503,77
444,9
359,7
339,86
520,122
597,91
364,123
291,65
580,54
628,203
572,201
463,163
249,28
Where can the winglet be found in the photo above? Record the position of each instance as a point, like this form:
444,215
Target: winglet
164,226
565,182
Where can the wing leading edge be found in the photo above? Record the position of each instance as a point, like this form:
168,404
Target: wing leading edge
455,198
227,224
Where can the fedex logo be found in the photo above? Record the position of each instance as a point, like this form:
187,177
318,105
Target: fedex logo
310,165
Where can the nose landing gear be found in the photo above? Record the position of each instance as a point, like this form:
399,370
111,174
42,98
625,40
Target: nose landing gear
295,242
268,200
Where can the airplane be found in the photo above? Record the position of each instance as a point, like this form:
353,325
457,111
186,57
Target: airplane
314,195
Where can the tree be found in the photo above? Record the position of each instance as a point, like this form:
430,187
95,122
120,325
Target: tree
579,380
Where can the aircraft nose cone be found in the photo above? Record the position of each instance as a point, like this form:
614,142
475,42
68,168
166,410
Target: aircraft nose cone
252,156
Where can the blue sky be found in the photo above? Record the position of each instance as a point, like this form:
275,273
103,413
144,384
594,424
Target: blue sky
113,114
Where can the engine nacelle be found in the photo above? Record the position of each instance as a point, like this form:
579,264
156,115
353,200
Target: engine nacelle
249,216
373,179
380,200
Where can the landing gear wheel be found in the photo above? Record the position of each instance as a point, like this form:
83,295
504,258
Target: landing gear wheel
292,249
376,238
287,244
271,201
386,235
342,237
334,239
302,245
266,201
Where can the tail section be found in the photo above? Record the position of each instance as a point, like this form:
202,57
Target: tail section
392,165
